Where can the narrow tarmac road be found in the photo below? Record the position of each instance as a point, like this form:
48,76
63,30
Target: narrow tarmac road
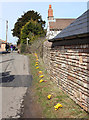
15,78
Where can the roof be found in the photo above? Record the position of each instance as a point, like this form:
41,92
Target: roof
78,27
60,23
2,41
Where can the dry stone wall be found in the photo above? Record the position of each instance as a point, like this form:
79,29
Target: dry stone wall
69,68
47,55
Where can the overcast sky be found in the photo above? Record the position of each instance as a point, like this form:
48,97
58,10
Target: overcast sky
11,11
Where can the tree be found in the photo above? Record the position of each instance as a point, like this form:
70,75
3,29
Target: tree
24,19
30,30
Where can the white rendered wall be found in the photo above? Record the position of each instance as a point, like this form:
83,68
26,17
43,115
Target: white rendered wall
51,34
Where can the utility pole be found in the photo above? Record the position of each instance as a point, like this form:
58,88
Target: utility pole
6,29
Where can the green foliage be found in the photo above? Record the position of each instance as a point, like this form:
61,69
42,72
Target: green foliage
37,46
23,48
30,15
30,30
18,42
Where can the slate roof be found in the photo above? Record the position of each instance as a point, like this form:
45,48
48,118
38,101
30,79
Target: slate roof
78,27
60,23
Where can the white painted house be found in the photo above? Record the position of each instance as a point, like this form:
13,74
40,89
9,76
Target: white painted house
2,45
56,25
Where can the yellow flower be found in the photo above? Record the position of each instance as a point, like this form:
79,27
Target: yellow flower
41,81
41,76
35,54
58,106
37,67
49,97
36,59
36,64
40,72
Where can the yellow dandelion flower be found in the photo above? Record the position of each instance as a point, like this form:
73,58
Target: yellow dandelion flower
41,76
41,81
49,97
36,64
35,53
58,106
37,67
40,72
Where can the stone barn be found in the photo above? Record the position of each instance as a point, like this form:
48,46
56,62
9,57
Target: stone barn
66,57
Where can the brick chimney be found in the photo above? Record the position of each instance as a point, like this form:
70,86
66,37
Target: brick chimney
50,13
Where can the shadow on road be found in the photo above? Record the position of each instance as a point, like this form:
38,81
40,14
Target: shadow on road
6,77
7,80
4,52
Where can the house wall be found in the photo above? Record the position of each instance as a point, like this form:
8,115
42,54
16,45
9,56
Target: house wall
68,66
3,47
51,33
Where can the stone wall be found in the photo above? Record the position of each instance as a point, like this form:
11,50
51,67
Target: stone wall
69,68
47,55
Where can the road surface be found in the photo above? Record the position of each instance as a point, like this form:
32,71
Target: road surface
15,78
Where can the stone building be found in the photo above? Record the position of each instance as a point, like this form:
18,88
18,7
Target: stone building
66,58
55,25
2,45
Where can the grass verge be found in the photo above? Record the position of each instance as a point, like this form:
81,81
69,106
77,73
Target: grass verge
69,110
